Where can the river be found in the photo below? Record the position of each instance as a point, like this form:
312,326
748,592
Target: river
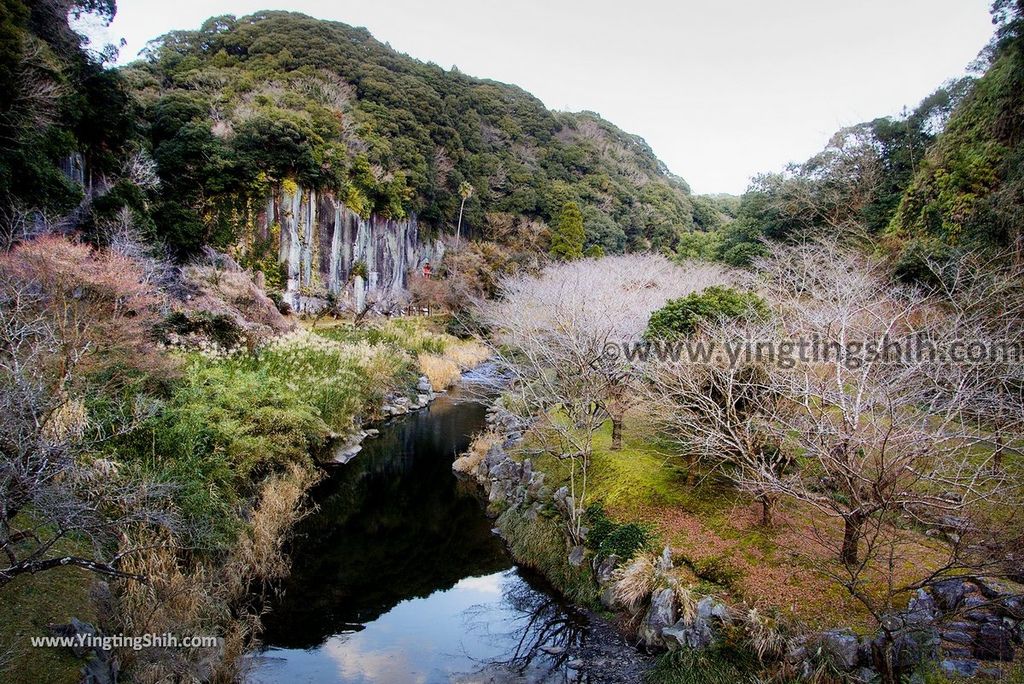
398,577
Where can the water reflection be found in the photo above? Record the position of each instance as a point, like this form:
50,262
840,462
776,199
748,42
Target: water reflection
398,577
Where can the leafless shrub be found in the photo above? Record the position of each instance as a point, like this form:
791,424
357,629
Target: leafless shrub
717,412
67,317
141,169
551,332
37,93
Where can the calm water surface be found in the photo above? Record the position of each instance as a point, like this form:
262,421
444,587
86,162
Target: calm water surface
399,578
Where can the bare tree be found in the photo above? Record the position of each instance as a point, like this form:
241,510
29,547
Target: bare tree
859,413
55,484
552,332
878,436
718,410
37,94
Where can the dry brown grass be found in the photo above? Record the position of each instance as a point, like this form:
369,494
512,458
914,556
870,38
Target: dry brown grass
478,449
442,372
764,631
467,353
635,582
445,369
186,596
686,600
258,553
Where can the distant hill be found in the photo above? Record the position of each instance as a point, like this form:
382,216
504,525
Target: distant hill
278,96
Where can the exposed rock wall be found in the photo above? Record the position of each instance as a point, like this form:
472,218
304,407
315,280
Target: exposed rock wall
321,240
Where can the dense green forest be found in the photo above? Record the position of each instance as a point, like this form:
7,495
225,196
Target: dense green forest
192,138
278,95
57,98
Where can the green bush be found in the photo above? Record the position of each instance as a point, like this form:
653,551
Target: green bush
680,317
598,524
607,537
625,541
221,430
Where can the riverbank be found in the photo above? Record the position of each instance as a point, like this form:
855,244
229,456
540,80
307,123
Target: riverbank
719,606
424,590
242,430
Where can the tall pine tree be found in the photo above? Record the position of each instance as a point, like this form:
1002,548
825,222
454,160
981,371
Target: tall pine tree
567,237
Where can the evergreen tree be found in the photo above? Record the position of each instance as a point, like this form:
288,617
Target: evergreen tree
567,237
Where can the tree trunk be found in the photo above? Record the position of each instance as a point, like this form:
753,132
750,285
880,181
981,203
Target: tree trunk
851,540
691,470
767,511
882,657
997,457
458,228
616,432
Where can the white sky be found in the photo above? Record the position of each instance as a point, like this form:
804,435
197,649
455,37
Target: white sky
721,90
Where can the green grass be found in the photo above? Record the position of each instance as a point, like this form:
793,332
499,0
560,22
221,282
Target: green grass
624,481
232,419
722,664
541,544
414,335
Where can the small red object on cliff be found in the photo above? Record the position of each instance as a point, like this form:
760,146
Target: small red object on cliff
426,270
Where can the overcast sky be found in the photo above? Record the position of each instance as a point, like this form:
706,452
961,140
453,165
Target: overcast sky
721,90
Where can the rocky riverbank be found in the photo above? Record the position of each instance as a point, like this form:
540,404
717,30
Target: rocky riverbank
964,627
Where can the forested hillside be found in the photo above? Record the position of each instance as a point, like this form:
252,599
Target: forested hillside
969,189
280,96
61,110
943,177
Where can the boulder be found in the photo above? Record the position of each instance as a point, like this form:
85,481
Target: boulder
661,614
959,668
912,648
576,556
842,646
536,483
949,593
709,607
423,386
494,456
563,501
605,570
75,628
921,609
682,636
994,642
796,650
665,560
608,599
957,637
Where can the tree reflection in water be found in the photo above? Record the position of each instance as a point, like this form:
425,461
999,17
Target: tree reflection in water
544,634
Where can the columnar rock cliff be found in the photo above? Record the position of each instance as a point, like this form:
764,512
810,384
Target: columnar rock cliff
321,241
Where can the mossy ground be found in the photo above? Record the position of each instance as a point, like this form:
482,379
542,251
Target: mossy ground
31,602
715,531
